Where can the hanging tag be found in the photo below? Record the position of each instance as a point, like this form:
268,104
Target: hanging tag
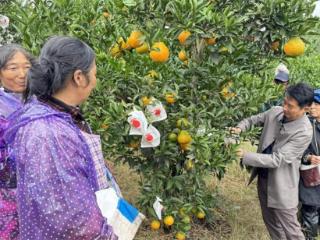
157,206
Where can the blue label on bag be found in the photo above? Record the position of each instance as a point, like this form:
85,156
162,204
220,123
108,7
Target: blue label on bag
127,210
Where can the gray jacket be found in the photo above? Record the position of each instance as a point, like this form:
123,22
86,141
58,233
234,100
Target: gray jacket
290,141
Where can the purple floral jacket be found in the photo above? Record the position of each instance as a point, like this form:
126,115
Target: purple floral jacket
57,179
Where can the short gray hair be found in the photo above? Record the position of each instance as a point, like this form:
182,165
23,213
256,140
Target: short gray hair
8,51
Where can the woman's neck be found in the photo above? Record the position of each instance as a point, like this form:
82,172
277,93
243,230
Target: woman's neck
68,99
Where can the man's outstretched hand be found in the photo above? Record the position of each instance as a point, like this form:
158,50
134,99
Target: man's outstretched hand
235,130
240,152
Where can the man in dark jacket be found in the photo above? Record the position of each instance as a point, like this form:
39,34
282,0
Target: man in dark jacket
309,186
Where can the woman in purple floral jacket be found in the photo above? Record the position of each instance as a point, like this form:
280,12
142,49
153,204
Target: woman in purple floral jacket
56,154
14,64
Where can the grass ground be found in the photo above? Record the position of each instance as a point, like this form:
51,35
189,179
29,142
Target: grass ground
238,215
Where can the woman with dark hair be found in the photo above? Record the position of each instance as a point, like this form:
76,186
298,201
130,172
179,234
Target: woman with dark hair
59,161
14,64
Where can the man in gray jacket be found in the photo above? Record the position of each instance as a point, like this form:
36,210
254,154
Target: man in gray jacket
286,134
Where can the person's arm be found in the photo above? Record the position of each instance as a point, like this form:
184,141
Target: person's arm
5,163
289,152
255,120
56,183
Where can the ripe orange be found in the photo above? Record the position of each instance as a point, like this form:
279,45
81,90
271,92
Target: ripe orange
226,91
168,221
294,47
185,146
226,94
143,48
182,55
135,39
180,236
104,126
123,44
183,36
159,52
155,225
170,98
146,101
184,137
106,14
201,215
211,41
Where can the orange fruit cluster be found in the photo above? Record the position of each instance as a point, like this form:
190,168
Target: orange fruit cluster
159,52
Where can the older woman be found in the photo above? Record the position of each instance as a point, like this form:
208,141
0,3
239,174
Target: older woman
57,156
14,64
309,187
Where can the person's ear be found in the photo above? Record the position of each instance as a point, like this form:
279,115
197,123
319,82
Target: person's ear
307,109
79,78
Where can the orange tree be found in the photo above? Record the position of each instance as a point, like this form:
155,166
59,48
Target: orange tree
206,61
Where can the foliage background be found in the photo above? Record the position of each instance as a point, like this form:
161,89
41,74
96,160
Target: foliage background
242,55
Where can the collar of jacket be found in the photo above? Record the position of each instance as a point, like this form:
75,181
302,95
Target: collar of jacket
315,122
291,124
295,123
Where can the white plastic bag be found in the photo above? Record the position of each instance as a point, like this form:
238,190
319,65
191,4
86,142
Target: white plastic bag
123,217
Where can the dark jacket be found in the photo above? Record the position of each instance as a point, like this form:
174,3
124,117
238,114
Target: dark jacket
311,195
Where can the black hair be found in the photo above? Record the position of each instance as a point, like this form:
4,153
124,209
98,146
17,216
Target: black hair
302,93
59,58
8,51
280,82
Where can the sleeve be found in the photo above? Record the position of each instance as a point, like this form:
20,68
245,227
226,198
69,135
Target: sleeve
7,166
54,186
289,152
255,120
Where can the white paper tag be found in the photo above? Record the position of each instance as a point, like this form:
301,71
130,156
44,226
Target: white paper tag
157,206
157,112
151,138
138,123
